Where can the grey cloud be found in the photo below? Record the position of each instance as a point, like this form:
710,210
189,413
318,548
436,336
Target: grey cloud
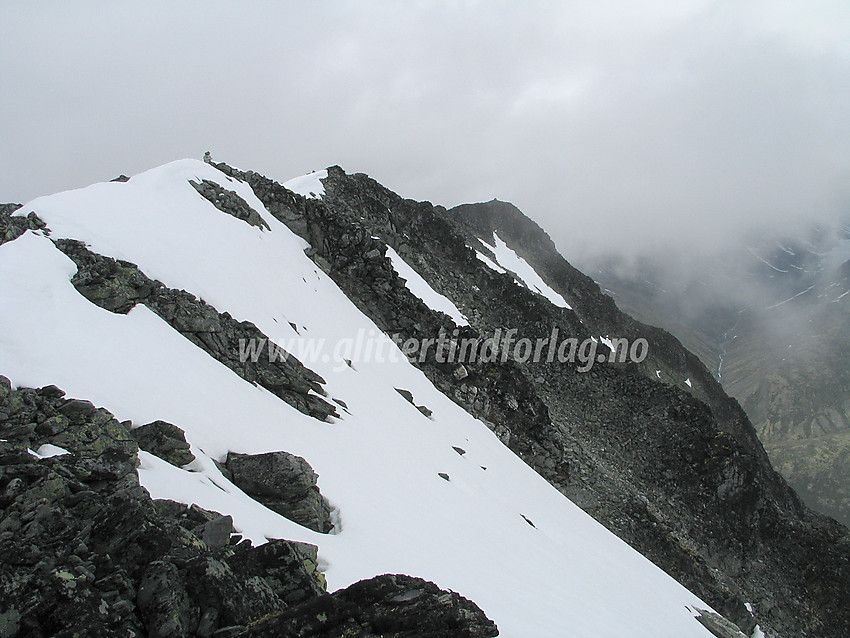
617,126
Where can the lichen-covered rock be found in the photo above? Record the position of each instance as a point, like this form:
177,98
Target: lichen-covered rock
215,533
187,516
78,534
291,569
91,431
225,598
113,284
5,388
385,606
163,602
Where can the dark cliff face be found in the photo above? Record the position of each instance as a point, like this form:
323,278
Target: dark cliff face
674,469
600,314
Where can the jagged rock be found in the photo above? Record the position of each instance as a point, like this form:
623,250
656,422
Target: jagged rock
460,372
229,202
115,285
76,409
222,597
13,453
189,517
7,209
388,605
13,227
284,483
290,569
111,464
51,392
164,440
83,529
91,431
407,394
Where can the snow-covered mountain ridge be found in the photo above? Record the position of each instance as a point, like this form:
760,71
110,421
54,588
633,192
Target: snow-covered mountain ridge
418,463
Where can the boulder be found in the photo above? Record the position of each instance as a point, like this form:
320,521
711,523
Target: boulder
164,440
284,483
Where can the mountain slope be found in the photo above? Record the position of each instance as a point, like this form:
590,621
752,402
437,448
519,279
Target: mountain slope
405,499
770,320
691,487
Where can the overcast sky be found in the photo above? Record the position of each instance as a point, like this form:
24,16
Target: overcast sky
613,124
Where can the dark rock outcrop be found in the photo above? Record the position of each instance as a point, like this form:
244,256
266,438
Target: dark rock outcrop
290,569
228,202
118,286
85,552
212,528
348,235
284,483
13,227
678,472
718,625
387,606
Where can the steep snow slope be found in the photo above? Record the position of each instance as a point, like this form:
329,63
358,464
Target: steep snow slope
378,464
309,185
422,289
508,259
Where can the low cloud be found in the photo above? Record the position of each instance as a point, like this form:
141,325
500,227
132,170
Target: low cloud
622,127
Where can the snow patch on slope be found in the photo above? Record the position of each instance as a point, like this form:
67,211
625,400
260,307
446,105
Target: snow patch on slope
507,258
48,451
422,289
308,185
490,263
